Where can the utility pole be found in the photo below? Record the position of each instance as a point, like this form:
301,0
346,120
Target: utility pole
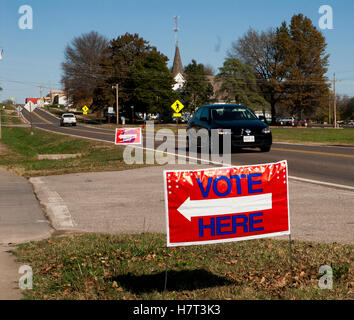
334,101
50,94
117,95
31,117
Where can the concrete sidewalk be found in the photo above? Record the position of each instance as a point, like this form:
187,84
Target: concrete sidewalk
132,201
21,220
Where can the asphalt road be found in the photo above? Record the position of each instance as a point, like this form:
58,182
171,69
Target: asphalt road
132,201
330,164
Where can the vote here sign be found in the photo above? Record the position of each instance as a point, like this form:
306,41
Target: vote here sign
128,136
226,204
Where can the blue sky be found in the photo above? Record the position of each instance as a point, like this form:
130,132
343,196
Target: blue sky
207,29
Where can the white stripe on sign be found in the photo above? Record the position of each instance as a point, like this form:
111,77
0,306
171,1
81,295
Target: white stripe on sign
215,207
131,136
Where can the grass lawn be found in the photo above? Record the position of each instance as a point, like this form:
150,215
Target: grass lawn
9,116
95,266
23,150
317,135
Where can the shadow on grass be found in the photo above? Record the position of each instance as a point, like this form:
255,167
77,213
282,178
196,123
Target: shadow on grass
176,281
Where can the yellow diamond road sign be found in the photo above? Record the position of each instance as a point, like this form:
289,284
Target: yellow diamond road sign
177,106
85,109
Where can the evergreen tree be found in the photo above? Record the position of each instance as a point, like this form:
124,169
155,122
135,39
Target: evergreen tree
121,55
239,85
151,83
197,90
304,64
346,108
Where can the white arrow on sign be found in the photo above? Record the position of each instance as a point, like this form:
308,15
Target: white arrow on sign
126,137
214,207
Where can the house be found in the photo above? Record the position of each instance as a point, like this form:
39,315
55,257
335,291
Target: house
33,100
58,97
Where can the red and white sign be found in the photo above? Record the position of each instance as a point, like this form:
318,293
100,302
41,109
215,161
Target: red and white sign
128,136
226,204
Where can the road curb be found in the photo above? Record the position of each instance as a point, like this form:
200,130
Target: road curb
53,204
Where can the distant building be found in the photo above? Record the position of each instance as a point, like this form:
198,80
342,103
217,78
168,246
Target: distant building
58,97
177,71
217,96
177,68
179,77
33,100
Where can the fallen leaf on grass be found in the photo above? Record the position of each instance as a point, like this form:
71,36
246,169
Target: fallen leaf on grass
150,257
281,283
47,268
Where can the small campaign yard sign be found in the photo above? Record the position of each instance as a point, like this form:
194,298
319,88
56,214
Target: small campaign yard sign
128,136
226,204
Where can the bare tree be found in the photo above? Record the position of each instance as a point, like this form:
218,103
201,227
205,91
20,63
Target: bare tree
81,68
209,70
259,51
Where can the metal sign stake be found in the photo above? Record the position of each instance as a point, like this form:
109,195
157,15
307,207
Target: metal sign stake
166,271
291,260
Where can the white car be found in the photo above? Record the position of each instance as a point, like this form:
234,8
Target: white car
68,119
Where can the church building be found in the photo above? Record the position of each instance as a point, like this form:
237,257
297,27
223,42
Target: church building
177,68
177,71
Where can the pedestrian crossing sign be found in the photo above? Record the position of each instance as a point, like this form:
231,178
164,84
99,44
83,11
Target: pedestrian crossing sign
177,106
